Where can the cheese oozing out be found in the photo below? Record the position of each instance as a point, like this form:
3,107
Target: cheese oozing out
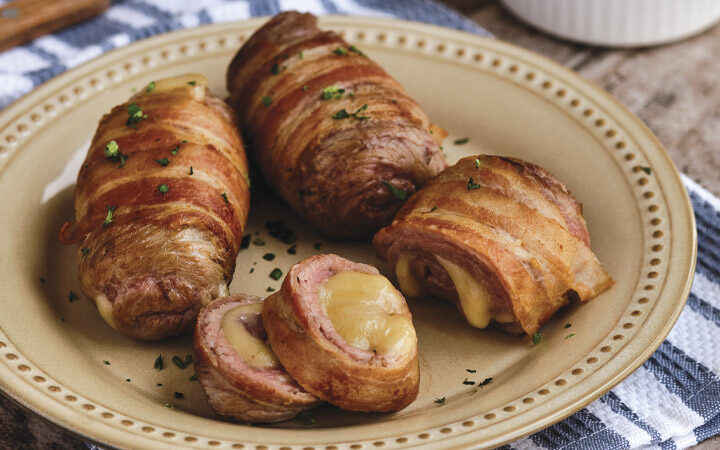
474,298
195,83
408,284
367,312
105,308
255,352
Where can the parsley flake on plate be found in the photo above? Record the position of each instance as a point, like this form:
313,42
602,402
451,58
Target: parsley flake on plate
461,141
72,297
266,101
269,256
159,363
135,115
472,185
163,161
536,338
276,274
150,87
163,188
440,401
340,51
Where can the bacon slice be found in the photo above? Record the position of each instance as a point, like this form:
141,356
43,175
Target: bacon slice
336,173
170,242
234,388
500,237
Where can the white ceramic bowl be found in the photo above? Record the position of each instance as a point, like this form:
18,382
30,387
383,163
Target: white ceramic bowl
622,23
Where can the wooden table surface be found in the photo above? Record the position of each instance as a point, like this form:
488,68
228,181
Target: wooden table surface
674,89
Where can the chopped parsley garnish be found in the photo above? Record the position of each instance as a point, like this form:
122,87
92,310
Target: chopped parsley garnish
269,256
275,69
305,87
112,151
42,280
270,289
72,297
135,115
434,208
106,362
169,406
159,363
536,338
178,395
245,242
568,325
440,401
292,250
191,171
356,50
276,274
472,185
471,370
108,218
266,101
224,196
468,381
252,269
191,83
647,170
361,109
188,359
194,377
461,141
340,51
317,246
342,114
395,103
163,188
300,55
175,150
485,382
331,92
84,251
150,87
178,362
477,163
280,231
569,335
307,417
258,241
127,379
400,194
163,161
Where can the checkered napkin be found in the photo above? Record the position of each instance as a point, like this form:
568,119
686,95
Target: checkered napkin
672,401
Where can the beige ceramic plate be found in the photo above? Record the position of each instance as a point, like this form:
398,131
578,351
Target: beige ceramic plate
507,100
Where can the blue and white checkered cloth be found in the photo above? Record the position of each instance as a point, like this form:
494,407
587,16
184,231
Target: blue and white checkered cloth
672,401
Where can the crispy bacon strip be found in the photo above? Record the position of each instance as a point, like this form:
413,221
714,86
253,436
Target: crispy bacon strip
331,155
157,241
511,225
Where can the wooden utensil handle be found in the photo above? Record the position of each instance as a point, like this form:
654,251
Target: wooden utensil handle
23,20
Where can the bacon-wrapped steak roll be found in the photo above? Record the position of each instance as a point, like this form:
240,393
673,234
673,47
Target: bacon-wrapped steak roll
160,205
241,376
345,334
333,133
501,238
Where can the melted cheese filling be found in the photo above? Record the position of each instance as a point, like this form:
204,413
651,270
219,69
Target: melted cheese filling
474,298
194,82
366,311
105,308
254,351
408,284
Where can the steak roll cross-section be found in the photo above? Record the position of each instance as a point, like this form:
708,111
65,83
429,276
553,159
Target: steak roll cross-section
500,237
160,205
345,334
241,376
336,136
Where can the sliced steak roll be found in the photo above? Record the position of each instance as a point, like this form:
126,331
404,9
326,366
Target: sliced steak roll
501,238
345,334
238,371
160,206
336,136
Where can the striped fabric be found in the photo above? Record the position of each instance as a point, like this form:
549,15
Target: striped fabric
672,401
